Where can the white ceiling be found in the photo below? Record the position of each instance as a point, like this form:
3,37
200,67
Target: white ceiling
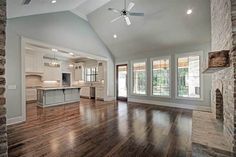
164,26
79,7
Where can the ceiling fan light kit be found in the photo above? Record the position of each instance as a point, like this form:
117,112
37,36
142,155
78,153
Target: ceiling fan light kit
125,13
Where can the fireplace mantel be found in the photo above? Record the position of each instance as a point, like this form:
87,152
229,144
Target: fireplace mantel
217,61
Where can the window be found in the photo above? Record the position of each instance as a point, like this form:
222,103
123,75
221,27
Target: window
91,74
188,76
161,77
139,78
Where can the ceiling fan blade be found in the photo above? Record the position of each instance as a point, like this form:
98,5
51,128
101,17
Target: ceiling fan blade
136,14
114,10
116,19
26,2
127,20
130,6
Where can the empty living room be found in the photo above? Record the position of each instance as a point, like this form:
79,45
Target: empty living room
117,78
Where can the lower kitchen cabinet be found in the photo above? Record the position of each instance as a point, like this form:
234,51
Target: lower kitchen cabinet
31,94
88,92
54,96
85,92
71,95
100,93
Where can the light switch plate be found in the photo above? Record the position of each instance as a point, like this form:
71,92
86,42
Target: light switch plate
11,87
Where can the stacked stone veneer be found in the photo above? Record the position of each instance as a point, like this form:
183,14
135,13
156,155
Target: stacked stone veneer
223,21
3,127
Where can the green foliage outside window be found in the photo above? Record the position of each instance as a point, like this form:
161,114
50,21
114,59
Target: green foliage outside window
182,84
161,82
141,86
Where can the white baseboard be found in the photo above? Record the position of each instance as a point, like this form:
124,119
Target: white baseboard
109,98
15,120
169,104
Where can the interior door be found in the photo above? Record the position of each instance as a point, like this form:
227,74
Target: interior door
121,79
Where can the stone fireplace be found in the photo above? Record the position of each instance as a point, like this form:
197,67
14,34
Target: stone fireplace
223,21
209,138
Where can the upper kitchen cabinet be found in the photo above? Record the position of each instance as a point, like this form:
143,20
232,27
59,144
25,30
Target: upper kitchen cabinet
33,62
67,66
100,76
79,72
51,73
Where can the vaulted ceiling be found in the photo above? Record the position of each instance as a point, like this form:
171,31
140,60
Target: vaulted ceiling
80,7
164,26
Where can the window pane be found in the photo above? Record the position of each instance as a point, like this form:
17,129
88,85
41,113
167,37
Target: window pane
122,81
189,77
91,74
139,78
160,77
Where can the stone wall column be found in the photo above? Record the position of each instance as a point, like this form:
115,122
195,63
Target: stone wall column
3,127
233,56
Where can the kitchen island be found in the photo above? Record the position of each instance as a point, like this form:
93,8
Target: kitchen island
57,96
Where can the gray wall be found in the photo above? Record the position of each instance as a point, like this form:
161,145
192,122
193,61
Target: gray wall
63,29
147,55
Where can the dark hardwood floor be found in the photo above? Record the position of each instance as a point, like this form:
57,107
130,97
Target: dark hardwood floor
97,129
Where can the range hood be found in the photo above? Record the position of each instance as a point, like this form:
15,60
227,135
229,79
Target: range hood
33,74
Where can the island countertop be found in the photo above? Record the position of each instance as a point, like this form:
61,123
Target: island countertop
58,88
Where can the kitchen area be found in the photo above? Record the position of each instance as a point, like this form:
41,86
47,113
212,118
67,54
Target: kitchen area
55,76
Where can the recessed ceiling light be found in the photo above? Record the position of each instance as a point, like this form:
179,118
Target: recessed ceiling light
189,11
54,50
71,53
53,1
115,36
71,65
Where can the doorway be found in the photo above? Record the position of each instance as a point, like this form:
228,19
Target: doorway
121,77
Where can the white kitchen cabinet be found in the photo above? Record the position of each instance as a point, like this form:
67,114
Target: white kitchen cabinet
79,72
99,93
100,75
85,92
51,73
31,94
33,62
65,67
88,92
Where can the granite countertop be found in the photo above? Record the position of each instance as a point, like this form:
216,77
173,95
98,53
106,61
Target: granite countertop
58,88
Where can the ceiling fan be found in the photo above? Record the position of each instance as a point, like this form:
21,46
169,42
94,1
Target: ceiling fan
125,13
26,2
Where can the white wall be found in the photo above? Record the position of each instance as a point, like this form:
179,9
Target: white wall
62,29
172,52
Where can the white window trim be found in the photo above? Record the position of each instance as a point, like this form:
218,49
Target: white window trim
131,81
151,72
200,54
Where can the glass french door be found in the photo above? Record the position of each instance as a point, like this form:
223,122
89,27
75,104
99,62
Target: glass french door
122,82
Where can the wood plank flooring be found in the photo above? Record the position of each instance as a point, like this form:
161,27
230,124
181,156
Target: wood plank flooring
102,129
